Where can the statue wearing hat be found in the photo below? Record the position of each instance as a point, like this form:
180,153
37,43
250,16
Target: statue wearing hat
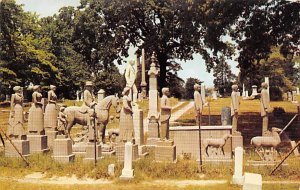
36,115
198,103
16,118
165,114
126,118
51,113
130,76
235,107
265,107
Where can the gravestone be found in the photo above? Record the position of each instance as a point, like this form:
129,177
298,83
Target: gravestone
165,151
127,172
298,91
138,124
226,116
203,96
62,149
294,97
254,91
111,170
214,95
252,182
101,95
289,96
143,82
238,177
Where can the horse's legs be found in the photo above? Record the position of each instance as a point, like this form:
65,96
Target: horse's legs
68,132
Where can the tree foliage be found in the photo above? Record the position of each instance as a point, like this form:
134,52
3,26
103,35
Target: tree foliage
189,87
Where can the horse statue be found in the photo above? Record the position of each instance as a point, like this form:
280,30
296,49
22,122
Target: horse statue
74,116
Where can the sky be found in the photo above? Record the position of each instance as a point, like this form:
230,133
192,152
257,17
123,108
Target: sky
195,68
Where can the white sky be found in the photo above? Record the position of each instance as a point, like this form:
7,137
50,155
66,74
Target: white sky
194,68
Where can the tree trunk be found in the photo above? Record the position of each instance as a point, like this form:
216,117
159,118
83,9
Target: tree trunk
162,61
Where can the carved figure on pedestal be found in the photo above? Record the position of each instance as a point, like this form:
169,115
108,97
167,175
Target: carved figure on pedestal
16,117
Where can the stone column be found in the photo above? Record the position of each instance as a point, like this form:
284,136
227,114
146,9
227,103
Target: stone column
238,177
244,92
127,172
203,93
138,126
297,90
77,96
267,81
143,82
254,91
101,95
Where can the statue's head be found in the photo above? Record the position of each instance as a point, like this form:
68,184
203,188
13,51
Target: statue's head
17,89
197,87
166,91
62,108
88,85
264,85
36,88
53,87
235,87
131,62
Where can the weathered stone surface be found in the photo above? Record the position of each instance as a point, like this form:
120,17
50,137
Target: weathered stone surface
22,146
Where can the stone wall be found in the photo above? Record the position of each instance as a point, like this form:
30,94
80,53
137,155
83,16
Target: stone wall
250,124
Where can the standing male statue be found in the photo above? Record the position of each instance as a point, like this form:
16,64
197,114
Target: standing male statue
198,102
265,107
165,114
235,107
87,106
130,76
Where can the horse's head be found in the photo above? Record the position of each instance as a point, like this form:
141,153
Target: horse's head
116,104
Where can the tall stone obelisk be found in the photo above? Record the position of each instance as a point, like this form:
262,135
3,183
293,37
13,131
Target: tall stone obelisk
153,130
143,82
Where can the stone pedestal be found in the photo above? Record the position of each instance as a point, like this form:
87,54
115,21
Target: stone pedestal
226,116
107,150
127,172
238,177
252,182
38,143
237,141
120,151
90,152
138,126
51,136
62,149
22,146
165,151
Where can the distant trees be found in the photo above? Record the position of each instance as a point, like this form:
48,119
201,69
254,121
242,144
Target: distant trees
189,87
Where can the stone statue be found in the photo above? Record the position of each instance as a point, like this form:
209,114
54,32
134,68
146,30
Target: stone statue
36,116
50,120
165,114
235,107
198,102
265,107
88,102
16,118
130,76
126,119
62,122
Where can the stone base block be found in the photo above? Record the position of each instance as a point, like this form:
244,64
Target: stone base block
51,136
22,146
120,149
143,151
127,174
79,147
252,182
152,141
90,152
38,143
165,153
238,180
64,159
108,154
237,141
62,147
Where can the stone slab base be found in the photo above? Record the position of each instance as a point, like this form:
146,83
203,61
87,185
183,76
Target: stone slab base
108,154
90,152
51,136
38,143
79,147
143,151
120,148
263,163
64,159
22,146
152,141
127,174
165,153
62,147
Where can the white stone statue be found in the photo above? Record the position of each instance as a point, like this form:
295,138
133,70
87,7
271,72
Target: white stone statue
50,119
165,114
235,107
16,119
126,118
130,76
265,107
198,103
36,116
